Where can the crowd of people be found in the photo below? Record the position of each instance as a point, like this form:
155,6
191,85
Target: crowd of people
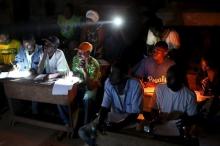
79,48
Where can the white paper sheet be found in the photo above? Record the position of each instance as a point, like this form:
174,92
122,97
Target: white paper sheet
18,74
62,86
3,75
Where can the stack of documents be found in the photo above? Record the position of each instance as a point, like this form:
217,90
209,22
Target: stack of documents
63,85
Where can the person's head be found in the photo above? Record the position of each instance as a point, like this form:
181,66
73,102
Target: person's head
155,24
51,44
157,31
68,10
4,38
175,78
29,43
118,73
84,50
204,64
92,16
208,61
160,51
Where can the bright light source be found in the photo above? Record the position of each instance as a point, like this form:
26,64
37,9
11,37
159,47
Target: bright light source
117,21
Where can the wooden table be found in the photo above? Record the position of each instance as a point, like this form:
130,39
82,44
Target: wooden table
135,138
24,89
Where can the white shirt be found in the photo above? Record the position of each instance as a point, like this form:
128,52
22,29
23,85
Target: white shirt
151,38
57,63
29,56
172,39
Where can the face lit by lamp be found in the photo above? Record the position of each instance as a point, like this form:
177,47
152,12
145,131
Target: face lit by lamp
83,54
159,54
29,45
49,48
204,65
4,38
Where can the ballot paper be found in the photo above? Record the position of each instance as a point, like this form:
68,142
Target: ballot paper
3,75
63,85
15,74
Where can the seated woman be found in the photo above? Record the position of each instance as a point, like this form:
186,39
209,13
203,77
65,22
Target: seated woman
208,82
207,79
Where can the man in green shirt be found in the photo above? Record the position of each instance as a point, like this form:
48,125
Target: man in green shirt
68,22
88,69
69,29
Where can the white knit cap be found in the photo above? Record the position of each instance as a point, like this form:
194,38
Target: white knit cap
93,15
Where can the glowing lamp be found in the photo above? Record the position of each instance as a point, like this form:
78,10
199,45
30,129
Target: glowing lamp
117,21
149,90
200,97
140,117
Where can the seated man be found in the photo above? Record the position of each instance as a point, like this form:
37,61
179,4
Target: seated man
88,69
69,30
93,32
8,48
123,95
154,68
53,62
29,55
175,97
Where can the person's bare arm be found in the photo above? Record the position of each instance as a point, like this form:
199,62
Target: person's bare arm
40,68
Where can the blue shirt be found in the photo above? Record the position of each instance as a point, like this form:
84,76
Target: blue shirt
169,101
22,61
154,72
132,100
